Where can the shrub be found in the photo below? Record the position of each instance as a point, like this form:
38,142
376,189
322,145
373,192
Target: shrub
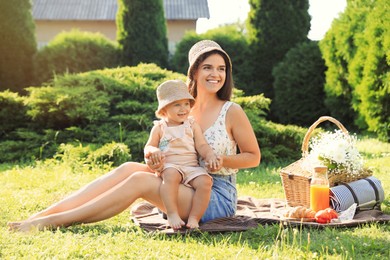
278,142
111,153
299,86
75,51
94,107
12,113
60,107
18,151
257,105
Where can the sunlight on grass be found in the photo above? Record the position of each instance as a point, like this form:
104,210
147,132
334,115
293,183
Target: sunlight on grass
28,189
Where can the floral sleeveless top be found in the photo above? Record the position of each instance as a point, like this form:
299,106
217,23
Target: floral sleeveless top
218,138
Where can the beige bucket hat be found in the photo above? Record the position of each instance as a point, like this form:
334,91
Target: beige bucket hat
171,91
202,47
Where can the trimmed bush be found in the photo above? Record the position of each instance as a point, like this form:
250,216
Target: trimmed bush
12,113
75,51
299,86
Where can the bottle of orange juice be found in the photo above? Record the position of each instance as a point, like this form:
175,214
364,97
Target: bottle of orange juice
319,189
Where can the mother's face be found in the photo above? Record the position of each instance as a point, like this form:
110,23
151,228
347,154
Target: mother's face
211,73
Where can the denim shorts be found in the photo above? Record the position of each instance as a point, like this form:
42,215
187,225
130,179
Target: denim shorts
223,199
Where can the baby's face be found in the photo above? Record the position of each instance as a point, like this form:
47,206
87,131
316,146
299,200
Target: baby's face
177,112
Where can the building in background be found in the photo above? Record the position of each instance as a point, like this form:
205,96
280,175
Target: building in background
54,16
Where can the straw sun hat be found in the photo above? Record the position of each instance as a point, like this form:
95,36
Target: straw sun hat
171,91
203,47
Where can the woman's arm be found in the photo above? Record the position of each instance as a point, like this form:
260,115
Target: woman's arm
240,129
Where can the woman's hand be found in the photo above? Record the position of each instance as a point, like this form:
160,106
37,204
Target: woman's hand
215,166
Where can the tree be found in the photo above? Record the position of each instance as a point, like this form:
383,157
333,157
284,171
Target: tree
299,85
274,27
355,50
142,32
75,51
17,44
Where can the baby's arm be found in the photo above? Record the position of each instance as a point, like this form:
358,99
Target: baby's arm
154,157
205,151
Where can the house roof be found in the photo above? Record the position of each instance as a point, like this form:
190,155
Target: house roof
106,9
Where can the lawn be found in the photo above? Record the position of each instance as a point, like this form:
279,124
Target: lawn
29,188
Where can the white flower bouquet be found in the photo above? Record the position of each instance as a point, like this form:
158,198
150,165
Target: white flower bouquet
337,150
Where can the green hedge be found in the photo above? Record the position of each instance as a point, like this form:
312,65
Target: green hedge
114,106
75,51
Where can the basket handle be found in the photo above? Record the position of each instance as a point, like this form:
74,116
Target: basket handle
305,144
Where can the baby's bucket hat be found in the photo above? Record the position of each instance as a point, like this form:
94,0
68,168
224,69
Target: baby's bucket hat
202,47
171,91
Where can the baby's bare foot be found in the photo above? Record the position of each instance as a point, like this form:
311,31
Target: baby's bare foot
175,221
192,223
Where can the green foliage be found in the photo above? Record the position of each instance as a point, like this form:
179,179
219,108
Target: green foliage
257,105
18,45
370,73
75,51
231,38
142,32
277,142
338,49
273,28
60,107
299,83
78,156
12,112
18,151
110,153
95,107
357,81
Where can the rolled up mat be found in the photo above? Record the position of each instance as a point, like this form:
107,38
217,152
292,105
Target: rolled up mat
366,193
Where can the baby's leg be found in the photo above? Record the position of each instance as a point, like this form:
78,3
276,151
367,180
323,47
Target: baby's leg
169,191
202,185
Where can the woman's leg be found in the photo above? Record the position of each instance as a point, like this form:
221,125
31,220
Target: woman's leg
93,189
112,202
202,185
169,191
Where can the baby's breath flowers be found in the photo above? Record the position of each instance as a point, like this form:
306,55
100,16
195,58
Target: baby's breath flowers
336,150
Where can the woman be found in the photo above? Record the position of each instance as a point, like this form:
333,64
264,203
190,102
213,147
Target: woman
225,126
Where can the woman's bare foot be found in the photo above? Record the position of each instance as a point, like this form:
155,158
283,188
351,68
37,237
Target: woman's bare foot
192,223
12,226
175,221
24,226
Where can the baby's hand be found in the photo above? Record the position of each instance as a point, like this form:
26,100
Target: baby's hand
155,157
155,160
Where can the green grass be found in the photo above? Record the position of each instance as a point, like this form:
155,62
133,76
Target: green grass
27,189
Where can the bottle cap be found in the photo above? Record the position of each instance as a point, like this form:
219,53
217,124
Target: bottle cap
320,168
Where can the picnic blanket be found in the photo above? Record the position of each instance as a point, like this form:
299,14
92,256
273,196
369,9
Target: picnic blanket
251,212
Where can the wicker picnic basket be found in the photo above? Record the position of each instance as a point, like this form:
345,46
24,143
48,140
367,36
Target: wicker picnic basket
296,179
